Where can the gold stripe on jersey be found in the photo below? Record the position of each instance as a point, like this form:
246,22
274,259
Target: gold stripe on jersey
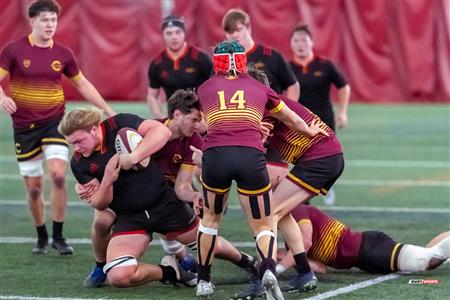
76,77
278,107
187,167
302,183
28,154
49,140
216,190
3,72
394,252
254,192
325,249
304,221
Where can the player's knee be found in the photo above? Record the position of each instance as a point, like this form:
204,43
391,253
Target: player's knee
121,270
102,225
58,180
35,193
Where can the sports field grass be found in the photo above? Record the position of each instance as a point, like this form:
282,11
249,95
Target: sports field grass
397,157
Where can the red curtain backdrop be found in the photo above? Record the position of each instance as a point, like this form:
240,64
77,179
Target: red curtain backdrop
390,51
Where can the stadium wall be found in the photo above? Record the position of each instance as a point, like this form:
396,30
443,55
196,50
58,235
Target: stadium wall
391,51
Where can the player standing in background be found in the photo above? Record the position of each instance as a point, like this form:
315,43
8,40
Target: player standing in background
236,24
315,75
233,105
35,65
179,66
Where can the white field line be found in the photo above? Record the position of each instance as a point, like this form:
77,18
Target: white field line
354,287
156,242
15,297
326,208
353,163
346,182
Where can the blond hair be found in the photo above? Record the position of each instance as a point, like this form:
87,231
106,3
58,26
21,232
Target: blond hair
233,17
80,119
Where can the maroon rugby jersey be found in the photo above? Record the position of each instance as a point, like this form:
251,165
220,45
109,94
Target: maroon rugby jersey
293,146
176,154
333,243
35,79
233,110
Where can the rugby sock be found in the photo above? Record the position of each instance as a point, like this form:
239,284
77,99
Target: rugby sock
100,264
42,232
168,274
246,261
267,264
301,263
57,230
205,252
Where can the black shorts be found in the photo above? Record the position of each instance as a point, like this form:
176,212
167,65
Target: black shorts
173,218
378,253
245,165
29,141
317,175
273,157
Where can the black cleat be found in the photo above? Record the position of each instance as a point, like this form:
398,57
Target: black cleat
253,290
301,283
62,247
41,247
253,269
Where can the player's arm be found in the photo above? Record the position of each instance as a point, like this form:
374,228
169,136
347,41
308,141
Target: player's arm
183,184
90,93
293,91
155,135
153,103
103,196
343,95
294,122
7,104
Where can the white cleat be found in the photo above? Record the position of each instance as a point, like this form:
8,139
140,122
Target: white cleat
204,290
270,286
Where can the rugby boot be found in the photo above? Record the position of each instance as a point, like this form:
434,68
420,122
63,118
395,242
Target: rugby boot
62,247
41,246
183,276
270,286
301,283
204,290
251,291
95,279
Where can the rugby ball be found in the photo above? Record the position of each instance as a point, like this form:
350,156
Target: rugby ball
128,139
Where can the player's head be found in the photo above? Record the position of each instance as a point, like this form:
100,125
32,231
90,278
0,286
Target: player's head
184,112
173,32
301,41
229,58
236,24
258,75
81,128
44,18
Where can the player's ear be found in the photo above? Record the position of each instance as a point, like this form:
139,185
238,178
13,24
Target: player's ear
177,114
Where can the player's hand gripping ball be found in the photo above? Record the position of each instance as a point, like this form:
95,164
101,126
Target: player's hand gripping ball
128,139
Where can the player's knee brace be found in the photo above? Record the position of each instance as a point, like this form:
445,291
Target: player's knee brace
272,240
31,168
56,152
172,247
121,261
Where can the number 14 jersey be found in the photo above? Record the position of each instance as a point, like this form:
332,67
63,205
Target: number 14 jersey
233,109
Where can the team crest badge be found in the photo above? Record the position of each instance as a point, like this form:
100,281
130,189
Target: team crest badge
317,73
56,65
26,63
93,168
164,74
189,70
176,158
18,148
